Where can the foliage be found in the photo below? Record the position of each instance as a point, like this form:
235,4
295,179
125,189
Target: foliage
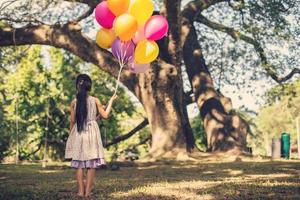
199,133
279,114
273,24
127,123
41,86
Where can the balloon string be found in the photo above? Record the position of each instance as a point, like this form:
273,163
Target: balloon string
119,76
121,64
121,59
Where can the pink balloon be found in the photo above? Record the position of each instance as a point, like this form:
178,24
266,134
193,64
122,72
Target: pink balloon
139,68
139,35
104,16
156,27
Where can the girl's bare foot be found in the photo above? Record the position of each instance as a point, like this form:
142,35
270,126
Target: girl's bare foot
88,194
80,194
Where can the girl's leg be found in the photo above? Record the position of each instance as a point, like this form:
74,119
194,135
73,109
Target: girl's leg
84,178
89,181
79,177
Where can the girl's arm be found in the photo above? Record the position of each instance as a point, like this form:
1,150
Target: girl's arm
72,118
105,113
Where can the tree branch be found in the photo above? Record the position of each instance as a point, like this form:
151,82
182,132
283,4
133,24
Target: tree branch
196,68
173,15
188,99
128,135
5,4
197,6
132,147
70,38
237,35
87,13
91,3
238,5
33,152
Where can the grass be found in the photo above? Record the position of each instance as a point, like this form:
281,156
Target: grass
170,180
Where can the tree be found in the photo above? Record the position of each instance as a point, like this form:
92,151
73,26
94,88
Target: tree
279,114
160,90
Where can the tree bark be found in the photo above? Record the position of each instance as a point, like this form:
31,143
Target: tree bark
159,91
224,130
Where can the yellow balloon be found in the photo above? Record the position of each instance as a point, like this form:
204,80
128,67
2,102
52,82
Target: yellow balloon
125,27
141,9
146,52
118,7
105,38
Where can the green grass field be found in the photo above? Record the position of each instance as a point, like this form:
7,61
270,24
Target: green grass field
180,180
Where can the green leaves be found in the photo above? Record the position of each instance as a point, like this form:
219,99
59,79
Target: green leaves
280,113
199,133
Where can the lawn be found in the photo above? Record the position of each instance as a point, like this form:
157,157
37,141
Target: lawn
250,179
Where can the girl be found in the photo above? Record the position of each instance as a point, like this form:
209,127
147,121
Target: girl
84,145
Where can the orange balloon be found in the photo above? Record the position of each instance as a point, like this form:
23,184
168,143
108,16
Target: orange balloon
105,38
125,27
118,7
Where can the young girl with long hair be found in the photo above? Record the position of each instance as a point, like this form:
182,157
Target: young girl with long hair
84,144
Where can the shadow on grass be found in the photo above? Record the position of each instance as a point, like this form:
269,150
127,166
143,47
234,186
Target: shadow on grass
179,180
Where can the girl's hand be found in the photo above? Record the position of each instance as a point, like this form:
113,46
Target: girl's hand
114,97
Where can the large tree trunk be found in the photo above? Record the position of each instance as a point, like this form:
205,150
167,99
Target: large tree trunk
225,131
161,94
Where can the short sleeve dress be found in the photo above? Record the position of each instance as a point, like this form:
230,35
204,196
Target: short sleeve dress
85,148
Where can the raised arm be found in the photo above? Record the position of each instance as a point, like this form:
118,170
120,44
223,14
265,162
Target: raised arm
105,113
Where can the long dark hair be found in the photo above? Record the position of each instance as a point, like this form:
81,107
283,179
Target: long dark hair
83,85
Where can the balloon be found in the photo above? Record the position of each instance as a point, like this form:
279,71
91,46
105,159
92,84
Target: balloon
139,35
156,27
104,16
141,10
125,27
118,7
105,38
123,51
146,51
139,68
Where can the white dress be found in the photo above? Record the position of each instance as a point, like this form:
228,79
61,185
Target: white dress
85,148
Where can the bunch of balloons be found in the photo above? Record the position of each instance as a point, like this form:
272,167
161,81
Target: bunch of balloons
130,30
